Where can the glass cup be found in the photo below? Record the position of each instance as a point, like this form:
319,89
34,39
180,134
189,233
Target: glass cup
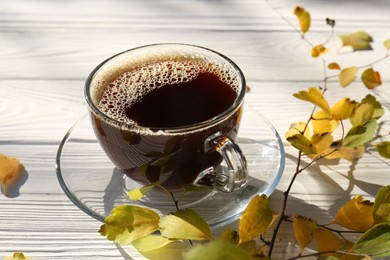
161,114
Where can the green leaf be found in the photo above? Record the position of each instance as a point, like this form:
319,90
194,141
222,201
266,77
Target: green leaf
185,224
358,40
128,223
256,219
217,249
381,205
229,236
371,78
347,76
303,18
303,144
361,114
314,96
361,134
150,242
383,149
378,109
375,242
387,44
137,194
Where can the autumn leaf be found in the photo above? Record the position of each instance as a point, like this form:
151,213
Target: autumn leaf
303,144
378,109
150,242
362,113
371,78
322,142
304,229
17,256
229,236
348,153
347,76
256,219
381,208
343,109
216,249
303,18
387,44
334,66
298,128
128,223
318,50
322,123
383,149
329,241
314,96
358,40
137,194
375,242
356,214
185,224
360,134
10,171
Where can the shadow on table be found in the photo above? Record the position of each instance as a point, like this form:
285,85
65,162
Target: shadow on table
14,190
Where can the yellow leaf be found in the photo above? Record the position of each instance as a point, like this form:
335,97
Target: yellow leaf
334,66
137,194
347,76
185,224
322,123
322,142
17,256
329,241
362,114
351,154
229,236
303,18
318,50
314,96
356,214
150,242
298,128
358,40
10,171
371,78
302,144
304,229
216,249
256,219
387,44
343,109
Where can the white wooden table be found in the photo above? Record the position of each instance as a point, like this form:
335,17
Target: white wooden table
47,49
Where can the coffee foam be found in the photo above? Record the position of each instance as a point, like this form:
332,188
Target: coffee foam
122,84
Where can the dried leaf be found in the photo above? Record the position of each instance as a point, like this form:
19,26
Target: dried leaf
216,249
303,18
356,214
185,224
150,242
323,123
137,194
378,109
383,149
256,219
347,76
298,128
348,153
329,241
343,109
10,171
304,229
381,205
17,256
362,113
128,223
334,66
360,134
371,78
358,40
318,50
322,142
375,242
314,96
387,44
303,144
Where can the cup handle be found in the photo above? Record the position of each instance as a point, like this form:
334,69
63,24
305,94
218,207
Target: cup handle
236,174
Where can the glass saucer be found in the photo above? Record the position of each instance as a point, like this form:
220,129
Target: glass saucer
96,186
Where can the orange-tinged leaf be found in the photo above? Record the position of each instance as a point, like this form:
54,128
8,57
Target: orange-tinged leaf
356,214
329,241
10,171
304,229
371,78
303,18
298,128
347,76
256,219
322,123
383,149
358,40
343,109
314,96
318,50
378,109
362,114
386,43
303,144
334,66
185,224
351,154
322,142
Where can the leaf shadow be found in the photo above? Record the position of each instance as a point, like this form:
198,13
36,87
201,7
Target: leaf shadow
14,191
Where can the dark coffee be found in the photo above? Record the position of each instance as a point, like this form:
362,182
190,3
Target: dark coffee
166,95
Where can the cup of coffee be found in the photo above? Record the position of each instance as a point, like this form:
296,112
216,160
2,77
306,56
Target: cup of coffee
170,113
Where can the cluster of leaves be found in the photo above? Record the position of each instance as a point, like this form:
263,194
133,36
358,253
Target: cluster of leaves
342,130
